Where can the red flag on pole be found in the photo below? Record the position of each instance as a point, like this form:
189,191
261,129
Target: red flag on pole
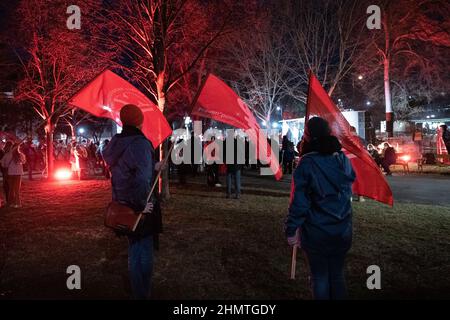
108,93
370,181
218,101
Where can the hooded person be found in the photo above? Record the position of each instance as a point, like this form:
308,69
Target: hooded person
320,214
130,156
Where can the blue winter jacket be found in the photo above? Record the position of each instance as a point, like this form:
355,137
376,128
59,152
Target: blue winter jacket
321,202
130,157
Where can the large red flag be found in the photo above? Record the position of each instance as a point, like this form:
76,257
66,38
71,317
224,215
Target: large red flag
370,181
108,93
218,101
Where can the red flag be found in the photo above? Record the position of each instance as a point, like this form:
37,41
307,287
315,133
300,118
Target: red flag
370,181
218,101
108,93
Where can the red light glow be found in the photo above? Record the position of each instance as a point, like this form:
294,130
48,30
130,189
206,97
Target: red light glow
63,174
405,158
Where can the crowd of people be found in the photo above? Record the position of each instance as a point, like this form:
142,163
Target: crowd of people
18,158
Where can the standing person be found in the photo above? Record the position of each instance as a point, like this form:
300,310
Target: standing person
446,137
233,170
288,156
105,168
212,169
320,214
74,161
83,159
14,161
131,159
4,169
30,155
389,158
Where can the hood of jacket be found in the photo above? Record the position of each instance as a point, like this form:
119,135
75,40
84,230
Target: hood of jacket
116,147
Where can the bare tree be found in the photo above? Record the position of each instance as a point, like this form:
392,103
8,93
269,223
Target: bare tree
55,62
260,70
158,42
327,38
405,24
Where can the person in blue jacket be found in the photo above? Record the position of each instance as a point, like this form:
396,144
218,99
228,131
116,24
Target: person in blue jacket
130,157
321,209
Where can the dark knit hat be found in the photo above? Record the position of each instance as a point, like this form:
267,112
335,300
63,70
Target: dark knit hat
131,115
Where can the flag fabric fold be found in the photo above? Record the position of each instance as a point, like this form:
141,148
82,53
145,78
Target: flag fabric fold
218,101
370,181
106,94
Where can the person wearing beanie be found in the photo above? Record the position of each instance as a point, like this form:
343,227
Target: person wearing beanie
320,214
130,157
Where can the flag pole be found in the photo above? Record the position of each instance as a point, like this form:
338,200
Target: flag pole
293,262
166,159
197,95
307,98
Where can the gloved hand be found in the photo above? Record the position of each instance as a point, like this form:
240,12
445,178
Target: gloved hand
295,240
148,208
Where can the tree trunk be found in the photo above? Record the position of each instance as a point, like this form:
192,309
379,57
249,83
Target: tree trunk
163,183
387,94
387,84
49,128
72,131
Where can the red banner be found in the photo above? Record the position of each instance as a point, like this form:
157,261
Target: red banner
108,93
218,101
370,181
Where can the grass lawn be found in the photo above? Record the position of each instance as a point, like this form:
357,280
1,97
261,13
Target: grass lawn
212,248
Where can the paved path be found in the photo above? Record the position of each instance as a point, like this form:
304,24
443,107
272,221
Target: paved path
421,189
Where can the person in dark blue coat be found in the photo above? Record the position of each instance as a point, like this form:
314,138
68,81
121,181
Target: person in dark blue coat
321,209
130,157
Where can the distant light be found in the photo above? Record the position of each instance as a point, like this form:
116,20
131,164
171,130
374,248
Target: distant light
339,100
278,108
428,117
433,116
81,130
405,158
63,174
368,103
360,77
275,125
264,123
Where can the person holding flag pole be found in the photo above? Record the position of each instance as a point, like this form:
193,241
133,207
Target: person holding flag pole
333,165
131,157
320,214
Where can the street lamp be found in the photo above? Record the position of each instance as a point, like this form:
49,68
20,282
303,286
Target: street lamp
81,131
368,103
360,77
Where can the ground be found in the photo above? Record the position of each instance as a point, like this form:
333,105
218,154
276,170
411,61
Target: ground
215,248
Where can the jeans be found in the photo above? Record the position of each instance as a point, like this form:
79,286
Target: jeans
14,183
140,266
237,182
327,275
